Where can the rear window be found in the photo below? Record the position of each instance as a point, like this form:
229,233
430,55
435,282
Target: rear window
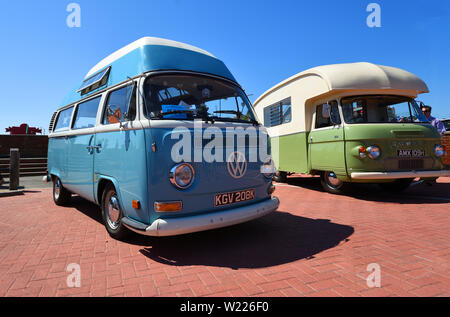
277,114
63,121
86,114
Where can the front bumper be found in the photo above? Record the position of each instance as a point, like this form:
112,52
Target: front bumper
189,224
398,175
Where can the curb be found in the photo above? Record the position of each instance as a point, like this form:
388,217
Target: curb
11,193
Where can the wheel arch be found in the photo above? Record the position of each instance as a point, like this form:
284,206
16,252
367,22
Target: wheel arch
102,182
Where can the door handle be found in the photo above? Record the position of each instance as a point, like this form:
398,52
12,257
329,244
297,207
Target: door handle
94,147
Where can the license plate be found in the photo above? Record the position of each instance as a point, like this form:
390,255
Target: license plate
233,197
410,153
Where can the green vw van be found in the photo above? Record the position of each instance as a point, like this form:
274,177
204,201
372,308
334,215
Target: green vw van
352,123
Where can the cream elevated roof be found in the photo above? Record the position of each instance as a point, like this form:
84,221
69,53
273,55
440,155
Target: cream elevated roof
139,43
354,76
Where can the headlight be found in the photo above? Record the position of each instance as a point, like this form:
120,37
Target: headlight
374,152
439,150
182,175
268,169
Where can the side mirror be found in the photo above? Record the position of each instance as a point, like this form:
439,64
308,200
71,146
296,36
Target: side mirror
113,114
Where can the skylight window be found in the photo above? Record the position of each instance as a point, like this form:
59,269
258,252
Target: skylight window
95,81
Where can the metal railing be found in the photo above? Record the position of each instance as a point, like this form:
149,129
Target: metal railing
27,166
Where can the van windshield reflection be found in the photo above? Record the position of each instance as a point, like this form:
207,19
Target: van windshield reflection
381,109
188,97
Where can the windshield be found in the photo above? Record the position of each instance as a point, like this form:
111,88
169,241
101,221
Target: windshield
381,109
188,97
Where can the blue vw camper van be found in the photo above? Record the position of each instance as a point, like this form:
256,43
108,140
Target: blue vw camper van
161,136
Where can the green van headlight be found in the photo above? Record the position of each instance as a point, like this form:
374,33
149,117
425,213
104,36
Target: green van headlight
439,150
182,175
374,152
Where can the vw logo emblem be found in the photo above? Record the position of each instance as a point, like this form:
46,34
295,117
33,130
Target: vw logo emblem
237,165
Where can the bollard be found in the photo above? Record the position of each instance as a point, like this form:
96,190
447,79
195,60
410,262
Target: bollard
14,169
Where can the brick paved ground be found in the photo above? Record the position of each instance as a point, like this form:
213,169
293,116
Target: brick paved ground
317,244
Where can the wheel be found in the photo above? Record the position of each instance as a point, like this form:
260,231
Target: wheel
61,196
280,177
333,185
397,186
112,213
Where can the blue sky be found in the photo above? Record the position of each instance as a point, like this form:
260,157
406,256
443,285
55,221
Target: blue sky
262,42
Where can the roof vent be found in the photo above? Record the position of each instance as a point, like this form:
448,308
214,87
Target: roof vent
95,81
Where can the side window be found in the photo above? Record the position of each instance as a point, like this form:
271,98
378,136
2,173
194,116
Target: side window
277,114
327,115
123,98
86,113
63,121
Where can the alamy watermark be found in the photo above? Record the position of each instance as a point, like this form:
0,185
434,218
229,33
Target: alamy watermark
74,278
214,144
374,18
73,20
374,278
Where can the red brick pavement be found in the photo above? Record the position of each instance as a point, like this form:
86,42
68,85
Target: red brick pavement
317,244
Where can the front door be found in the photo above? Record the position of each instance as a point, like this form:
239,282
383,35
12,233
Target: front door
326,140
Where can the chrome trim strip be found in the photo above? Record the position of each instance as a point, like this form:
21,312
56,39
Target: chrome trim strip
397,175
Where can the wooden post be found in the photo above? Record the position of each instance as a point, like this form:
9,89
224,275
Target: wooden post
14,169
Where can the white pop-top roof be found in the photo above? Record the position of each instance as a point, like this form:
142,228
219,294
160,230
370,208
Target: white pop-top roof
139,43
362,76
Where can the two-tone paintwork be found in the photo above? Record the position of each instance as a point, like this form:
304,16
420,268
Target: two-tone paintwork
135,156
300,147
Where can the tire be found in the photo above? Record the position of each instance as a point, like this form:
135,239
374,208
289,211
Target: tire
112,213
397,186
61,196
333,185
280,177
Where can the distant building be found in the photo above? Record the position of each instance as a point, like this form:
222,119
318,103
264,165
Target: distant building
23,129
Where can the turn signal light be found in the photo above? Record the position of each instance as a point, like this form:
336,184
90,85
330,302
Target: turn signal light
362,152
168,206
135,204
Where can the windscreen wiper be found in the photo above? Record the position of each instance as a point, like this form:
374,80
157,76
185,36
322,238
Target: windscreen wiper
239,115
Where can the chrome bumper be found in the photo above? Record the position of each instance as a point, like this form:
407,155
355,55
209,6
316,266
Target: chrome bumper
397,175
213,220
46,179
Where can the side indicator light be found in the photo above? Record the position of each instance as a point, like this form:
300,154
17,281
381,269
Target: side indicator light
136,204
168,206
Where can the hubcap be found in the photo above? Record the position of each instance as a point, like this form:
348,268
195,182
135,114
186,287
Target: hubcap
113,211
333,180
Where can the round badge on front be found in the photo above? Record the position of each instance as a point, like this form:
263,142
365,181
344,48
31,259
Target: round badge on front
237,165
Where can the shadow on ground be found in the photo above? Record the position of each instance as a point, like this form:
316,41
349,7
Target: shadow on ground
275,239
417,193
